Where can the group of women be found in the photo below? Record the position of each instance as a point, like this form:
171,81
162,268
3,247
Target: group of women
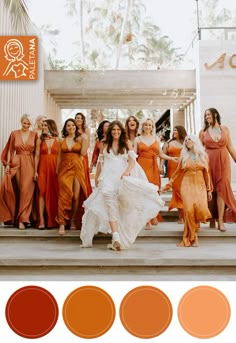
47,180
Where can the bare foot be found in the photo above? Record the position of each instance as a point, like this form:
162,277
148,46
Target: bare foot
221,225
180,221
61,230
148,226
21,226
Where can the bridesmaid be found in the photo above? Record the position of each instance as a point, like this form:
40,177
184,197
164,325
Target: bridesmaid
16,195
45,174
148,148
217,141
71,176
173,148
192,174
131,128
80,121
101,136
39,124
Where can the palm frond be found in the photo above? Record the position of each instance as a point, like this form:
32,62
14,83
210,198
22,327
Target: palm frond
18,13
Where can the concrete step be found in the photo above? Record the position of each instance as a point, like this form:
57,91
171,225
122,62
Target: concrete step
43,255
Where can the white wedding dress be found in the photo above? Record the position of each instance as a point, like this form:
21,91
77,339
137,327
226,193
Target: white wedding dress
132,201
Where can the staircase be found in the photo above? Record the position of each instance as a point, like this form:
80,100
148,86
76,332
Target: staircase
43,255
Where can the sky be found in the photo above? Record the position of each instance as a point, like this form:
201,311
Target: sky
177,19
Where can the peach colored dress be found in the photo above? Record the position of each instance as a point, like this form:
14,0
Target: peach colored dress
195,182
16,204
219,162
47,180
71,167
176,201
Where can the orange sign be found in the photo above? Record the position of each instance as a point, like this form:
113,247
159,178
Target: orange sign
18,58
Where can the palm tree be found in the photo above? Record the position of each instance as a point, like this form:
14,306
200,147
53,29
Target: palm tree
122,33
19,14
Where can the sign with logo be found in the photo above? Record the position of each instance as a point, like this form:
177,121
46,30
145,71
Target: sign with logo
18,58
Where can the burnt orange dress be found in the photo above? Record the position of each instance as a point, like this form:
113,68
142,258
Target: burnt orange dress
71,168
176,201
86,173
16,203
47,180
219,162
96,152
195,182
147,158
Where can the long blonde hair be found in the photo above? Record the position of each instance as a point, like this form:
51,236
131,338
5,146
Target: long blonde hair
198,149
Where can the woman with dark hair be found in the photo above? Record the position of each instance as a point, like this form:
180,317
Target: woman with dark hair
71,177
45,174
114,205
131,128
17,189
82,127
101,136
217,141
173,148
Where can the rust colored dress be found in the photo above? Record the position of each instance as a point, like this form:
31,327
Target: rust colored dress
71,167
176,201
96,151
87,175
47,180
16,203
195,182
147,158
219,162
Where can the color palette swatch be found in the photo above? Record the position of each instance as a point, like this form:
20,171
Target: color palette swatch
144,312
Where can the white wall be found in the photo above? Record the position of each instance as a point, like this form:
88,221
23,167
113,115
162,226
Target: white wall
216,87
18,97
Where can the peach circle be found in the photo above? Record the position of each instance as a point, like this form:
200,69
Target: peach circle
145,312
88,312
204,312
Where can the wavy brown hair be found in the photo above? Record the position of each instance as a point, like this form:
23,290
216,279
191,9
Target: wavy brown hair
122,145
182,134
127,126
52,127
215,116
65,133
84,125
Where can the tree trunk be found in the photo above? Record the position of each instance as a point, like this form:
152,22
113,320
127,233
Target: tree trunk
81,14
122,33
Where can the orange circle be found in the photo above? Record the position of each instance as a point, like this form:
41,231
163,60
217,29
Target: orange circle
89,312
146,312
204,312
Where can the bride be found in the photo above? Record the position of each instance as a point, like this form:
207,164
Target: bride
123,200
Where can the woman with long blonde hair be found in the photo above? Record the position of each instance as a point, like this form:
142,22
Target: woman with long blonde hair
195,187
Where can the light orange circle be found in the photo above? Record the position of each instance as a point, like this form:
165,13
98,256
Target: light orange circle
145,312
204,312
88,312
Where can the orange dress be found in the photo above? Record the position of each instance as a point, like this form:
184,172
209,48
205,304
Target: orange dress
220,169
195,182
16,204
47,180
86,173
147,158
176,201
96,151
71,167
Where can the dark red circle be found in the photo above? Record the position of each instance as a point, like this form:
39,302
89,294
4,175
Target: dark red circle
31,312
